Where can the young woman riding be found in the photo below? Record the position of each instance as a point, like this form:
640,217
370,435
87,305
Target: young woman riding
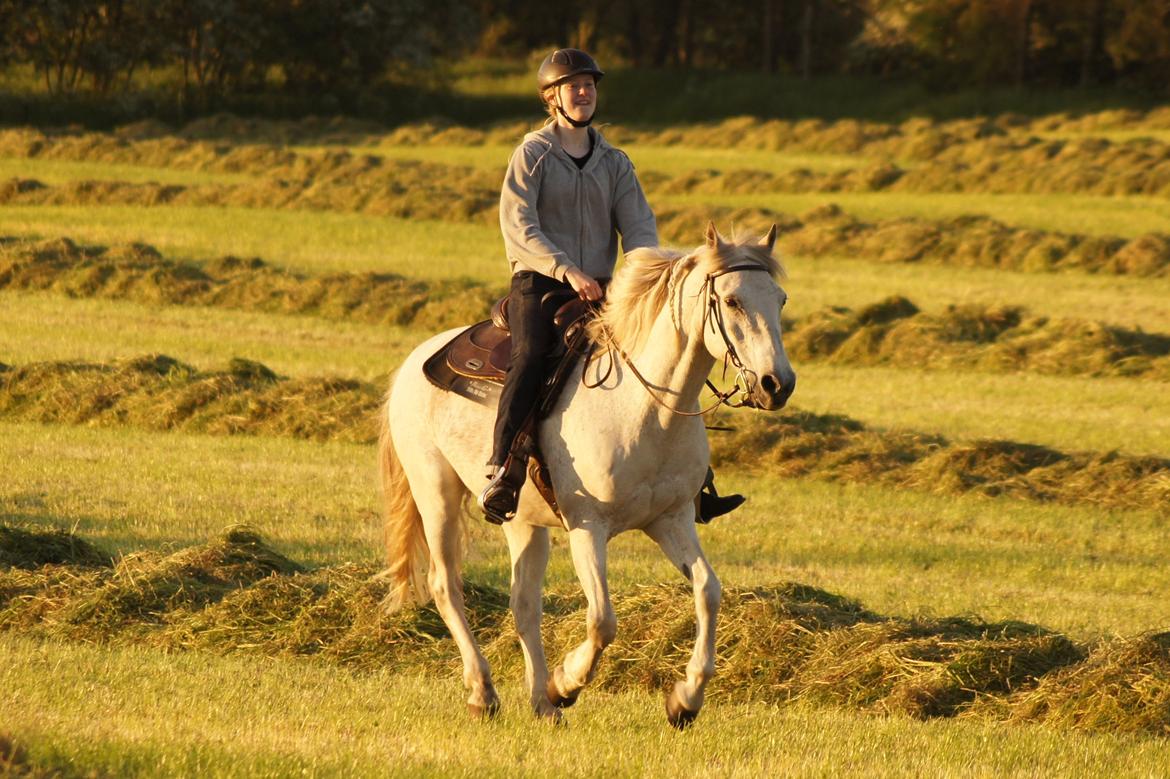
566,198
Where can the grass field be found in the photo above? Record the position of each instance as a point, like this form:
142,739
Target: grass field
125,705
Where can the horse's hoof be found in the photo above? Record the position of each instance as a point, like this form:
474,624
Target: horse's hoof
552,718
483,712
554,694
679,717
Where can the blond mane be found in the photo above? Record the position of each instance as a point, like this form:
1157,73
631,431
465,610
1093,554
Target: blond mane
651,277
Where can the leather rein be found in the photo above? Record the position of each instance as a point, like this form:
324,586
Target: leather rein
713,316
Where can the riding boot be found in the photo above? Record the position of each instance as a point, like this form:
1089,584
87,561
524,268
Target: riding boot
500,497
712,504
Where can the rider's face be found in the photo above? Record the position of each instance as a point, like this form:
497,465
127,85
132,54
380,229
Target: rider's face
578,96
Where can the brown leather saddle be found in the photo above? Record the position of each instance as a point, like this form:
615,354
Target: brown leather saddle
473,363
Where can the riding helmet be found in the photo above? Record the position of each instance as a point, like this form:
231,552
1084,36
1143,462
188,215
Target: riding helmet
563,64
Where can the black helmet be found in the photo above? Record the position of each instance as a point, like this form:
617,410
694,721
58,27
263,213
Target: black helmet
566,63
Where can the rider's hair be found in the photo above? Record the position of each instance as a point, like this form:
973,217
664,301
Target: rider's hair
549,107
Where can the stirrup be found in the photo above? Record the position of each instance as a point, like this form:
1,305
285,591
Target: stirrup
500,497
712,504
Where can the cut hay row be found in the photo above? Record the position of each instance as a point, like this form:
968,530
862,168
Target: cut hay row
976,337
971,156
263,161
157,392
891,332
429,191
138,272
1088,167
399,188
160,393
963,241
775,643
915,139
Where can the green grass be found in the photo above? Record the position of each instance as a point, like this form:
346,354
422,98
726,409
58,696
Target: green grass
1064,412
1067,413
671,160
817,282
83,708
50,171
316,242
1082,570
1125,216
42,326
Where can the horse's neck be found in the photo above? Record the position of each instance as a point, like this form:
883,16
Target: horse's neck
675,364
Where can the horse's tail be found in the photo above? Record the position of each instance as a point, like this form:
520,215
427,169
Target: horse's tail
406,545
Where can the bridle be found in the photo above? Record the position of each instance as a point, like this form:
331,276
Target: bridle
712,316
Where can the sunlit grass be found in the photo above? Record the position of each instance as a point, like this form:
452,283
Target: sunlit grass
311,241
1065,412
1125,216
670,160
1084,570
52,171
86,708
43,326
817,282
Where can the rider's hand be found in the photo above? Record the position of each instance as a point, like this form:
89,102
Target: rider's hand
583,284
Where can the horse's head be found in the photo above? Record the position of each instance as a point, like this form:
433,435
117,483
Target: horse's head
741,302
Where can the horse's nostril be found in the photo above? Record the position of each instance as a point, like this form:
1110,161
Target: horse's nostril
770,384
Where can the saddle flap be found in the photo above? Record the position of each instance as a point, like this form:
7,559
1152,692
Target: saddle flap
480,352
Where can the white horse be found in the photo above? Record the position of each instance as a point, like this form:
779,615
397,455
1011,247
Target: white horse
629,454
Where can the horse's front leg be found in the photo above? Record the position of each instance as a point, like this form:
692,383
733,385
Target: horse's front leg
587,544
529,546
675,534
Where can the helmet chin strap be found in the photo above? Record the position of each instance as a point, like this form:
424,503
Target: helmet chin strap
571,120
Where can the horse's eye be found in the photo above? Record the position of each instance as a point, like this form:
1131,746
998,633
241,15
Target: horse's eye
731,302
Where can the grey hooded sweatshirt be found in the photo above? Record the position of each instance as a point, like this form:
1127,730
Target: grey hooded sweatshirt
555,216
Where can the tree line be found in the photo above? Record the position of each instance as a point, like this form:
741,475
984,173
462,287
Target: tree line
222,47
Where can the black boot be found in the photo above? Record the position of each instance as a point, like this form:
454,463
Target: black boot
499,498
712,504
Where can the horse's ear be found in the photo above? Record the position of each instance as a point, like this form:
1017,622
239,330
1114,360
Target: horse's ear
713,239
769,240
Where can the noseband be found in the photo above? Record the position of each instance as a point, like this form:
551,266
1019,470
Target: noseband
713,316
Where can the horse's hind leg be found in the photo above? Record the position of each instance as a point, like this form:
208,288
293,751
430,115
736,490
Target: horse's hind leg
529,549
580,665
440,506
677,538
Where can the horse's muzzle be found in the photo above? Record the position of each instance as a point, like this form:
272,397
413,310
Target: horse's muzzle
772,391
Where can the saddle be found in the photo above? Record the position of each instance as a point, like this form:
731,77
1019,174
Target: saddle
473,365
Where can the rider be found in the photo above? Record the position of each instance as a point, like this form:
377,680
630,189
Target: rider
566,197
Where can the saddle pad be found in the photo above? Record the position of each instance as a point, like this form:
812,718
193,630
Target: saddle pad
472,364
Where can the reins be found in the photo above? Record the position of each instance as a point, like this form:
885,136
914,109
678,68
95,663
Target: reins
712,315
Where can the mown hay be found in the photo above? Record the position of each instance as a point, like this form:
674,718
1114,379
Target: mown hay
965,241
775,643
24,548
159,393
1123,687
800,444
993,338
138,272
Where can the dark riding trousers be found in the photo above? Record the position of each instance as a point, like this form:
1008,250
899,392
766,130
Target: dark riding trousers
533,337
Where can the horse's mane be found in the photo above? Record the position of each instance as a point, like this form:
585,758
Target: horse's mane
649,278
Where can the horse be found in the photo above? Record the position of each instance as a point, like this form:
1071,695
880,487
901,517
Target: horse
626,449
